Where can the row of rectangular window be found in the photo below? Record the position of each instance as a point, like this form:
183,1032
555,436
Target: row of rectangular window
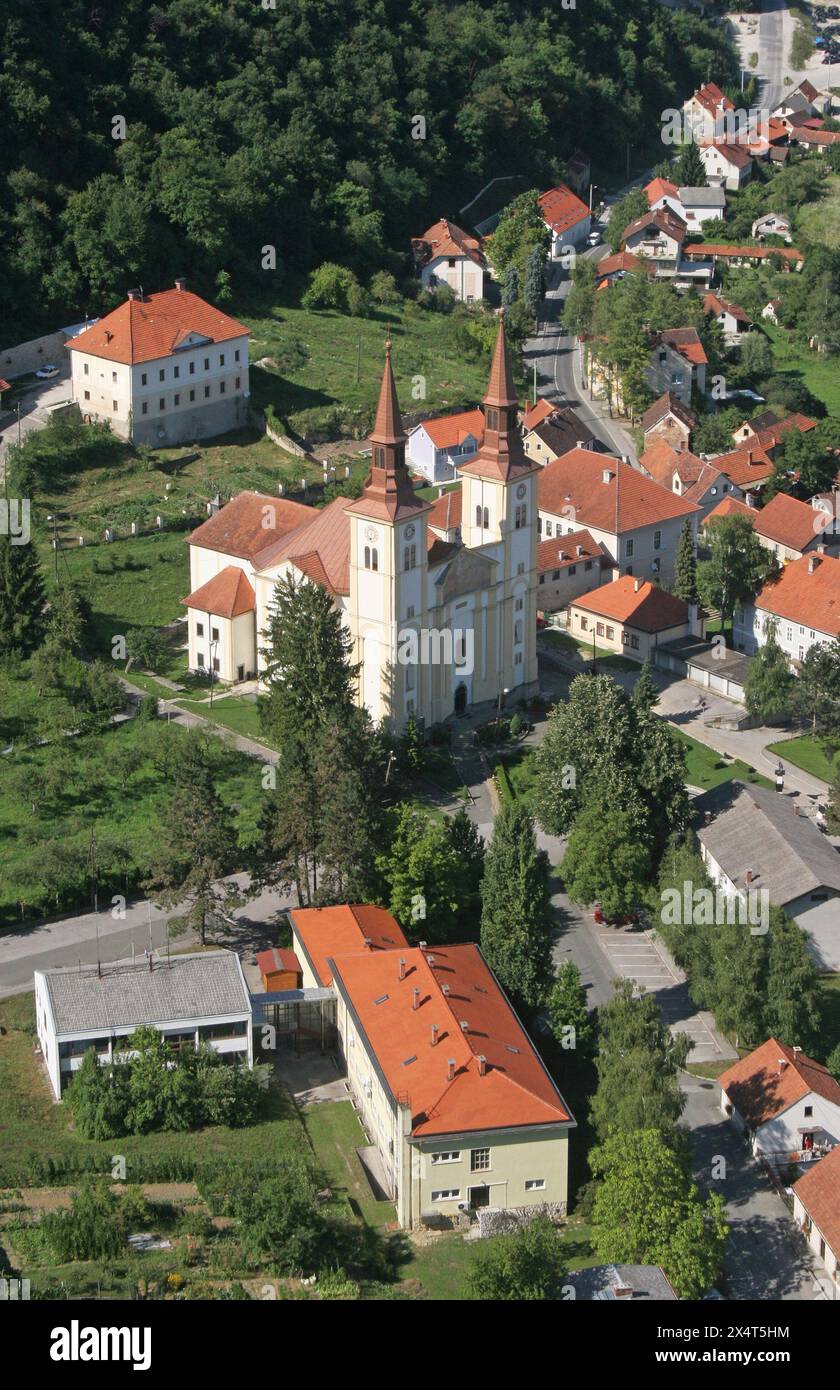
176,370
602,629
452,1194
176,399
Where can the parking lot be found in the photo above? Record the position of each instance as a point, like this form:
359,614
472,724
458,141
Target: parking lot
637,956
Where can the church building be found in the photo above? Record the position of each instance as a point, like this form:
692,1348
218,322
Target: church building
437,626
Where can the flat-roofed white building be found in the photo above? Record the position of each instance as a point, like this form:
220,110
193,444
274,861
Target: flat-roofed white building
163,368
193,999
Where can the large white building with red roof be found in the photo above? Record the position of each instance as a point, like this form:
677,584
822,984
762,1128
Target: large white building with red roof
566,216
802,605
447,255
163,368
441,617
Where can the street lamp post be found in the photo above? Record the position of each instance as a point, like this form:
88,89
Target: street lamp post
502,695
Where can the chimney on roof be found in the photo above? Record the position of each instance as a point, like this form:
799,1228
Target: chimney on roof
580,443
813,562
450,1069
415,998
579,549
482,1065
435,1031
180,282
783,1062
422,945
402,967
465,1027
136,294
607,475
749,876
445,989
637,584
749,456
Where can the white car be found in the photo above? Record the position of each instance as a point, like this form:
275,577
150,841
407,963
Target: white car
46,372
594,239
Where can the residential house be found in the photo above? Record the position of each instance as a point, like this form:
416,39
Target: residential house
567,567
678,364
437,447
194,1000
700,205
771,311
670,419
748,468
392,579
731,317
534,412
772,224
636,522
752,839
804,601
555,435
786,527
707,113
447,255
786,1104
768,429
727,165
815,141
692,478
566,216
661,193
279,969
805,98
615,267
163,368
630,616
816,1211
658,236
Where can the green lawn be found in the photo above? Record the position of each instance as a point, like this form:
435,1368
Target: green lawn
515,773
32,1126
238,713
109,788
820,221
806,752
830,1001
819,374
707,768
329,365
335,1134
565,643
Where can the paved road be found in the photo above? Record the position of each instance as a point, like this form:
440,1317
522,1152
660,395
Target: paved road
33,414
765,1257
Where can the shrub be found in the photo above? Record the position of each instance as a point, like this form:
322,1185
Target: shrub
515,726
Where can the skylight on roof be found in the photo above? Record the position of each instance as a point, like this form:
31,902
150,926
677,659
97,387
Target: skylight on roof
510,1047
408,1061
381,999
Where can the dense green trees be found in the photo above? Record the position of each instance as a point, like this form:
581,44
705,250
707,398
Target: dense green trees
685,566
638,1064
431,871
769,687
302,127
528,1265
737,566
516,907
22,599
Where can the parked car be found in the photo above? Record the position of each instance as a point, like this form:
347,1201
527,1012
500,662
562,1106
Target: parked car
46,372
633,921
594,239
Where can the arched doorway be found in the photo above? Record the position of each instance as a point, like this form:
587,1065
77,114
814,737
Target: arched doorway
460,698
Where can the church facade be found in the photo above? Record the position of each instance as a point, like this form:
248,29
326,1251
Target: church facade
437,626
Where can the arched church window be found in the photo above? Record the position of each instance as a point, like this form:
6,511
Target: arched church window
487,518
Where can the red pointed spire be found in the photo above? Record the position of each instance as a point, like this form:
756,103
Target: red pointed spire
388,490
387,428
500,388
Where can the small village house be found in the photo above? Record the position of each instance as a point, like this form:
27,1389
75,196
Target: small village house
567,218
669,418
816,1211
436,447
567,567
631,617
447,255
786,1104
802,604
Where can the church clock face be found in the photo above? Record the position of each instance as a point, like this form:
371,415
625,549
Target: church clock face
521,490
409,531
371,533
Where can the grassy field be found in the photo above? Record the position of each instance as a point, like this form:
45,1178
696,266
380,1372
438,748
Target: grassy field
515,774
33,1125
568,645
820,221
238,713
806,752
329,365
100,795
819,374
707,768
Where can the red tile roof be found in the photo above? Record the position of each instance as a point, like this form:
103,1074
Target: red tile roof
446,512
447,430
662,460
320,548
622,261
226,595
663,219
732,152
574,487
457,994
805,136
561,551
731,506
760,1089
533,414
790,522
746,466
248,523
819,1192
685,341
711,98
660,188
276,959
811,599
142,330
445,239
714,304
665,405
325,932
717,250
561,208
637,603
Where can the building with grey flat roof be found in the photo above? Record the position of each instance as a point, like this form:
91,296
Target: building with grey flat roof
633,1283
193,999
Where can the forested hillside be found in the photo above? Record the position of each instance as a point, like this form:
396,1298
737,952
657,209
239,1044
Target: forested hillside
292,126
